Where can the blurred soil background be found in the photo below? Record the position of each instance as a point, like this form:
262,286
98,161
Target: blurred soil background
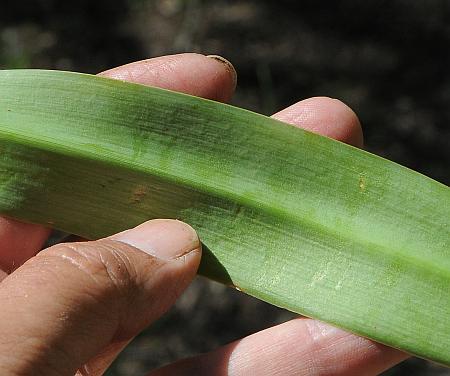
388,60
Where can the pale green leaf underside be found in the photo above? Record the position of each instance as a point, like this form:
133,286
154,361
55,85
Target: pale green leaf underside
295,219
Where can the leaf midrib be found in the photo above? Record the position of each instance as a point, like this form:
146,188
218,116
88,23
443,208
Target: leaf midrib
228,195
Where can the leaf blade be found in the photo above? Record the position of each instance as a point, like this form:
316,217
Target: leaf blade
331,231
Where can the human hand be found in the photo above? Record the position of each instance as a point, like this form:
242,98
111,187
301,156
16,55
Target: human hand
76,306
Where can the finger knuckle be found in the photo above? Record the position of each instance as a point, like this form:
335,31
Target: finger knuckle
101,263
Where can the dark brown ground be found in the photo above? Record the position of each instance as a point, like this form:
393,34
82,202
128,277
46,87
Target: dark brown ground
387,59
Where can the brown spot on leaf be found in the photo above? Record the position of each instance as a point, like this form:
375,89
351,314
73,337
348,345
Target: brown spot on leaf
362,183
139,193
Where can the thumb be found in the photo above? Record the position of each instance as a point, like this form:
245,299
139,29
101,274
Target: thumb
71,301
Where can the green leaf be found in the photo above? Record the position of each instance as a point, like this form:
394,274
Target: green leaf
293,218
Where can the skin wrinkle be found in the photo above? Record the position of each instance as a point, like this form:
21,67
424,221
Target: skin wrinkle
87,296
112,271
107,262
92,265
124,278
80,265
93,269
119,267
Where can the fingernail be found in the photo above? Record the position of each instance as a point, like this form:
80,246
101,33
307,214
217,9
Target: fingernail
228,65
166,239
